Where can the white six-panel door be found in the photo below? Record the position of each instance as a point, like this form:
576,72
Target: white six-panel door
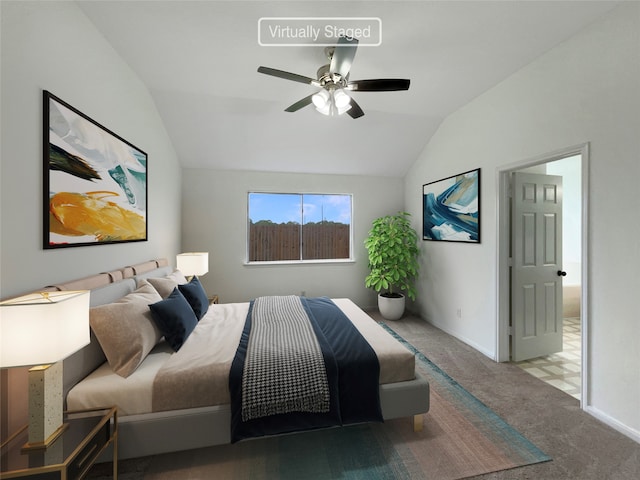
536,265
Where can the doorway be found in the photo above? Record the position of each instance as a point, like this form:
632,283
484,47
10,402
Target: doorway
567,369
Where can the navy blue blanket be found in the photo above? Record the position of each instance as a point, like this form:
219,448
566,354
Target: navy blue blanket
353,373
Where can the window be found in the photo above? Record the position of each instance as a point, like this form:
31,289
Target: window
298,227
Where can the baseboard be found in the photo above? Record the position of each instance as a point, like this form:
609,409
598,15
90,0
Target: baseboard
613,423
463,339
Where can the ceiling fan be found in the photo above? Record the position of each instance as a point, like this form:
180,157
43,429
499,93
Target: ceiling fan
333,79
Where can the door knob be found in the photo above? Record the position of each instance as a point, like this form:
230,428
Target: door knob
561,273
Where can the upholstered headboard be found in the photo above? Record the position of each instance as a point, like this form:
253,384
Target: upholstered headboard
105,288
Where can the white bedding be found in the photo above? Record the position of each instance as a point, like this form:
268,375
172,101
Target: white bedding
133,395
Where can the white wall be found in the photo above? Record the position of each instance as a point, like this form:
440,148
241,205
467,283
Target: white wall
584,90
53,46
214,214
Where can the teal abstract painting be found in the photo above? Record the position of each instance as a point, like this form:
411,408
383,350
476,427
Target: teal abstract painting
451,208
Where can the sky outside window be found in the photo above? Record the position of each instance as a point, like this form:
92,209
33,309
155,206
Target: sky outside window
307,208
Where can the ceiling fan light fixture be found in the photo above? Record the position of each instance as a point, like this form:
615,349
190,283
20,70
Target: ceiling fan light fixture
331,102
341,99
325,110
343,109
331,109
321,99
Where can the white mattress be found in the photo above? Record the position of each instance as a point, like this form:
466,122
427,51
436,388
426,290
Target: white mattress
133,395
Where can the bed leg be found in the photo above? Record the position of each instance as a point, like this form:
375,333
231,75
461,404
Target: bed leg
417,423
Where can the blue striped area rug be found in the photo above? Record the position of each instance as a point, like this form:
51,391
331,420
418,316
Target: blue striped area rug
461,438
493,438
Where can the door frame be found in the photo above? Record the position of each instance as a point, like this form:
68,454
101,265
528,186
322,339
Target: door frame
503,225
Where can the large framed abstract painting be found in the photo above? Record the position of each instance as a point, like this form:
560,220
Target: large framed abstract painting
451,208
95,182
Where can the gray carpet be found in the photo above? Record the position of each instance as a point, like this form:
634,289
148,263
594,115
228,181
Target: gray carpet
581,447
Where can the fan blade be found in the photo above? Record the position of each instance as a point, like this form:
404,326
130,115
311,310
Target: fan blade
343,56
300,104
287,75
379,85
355,111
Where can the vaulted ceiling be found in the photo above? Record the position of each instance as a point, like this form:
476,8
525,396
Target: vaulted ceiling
199,60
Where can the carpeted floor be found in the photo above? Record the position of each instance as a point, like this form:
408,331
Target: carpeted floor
473,439
580,446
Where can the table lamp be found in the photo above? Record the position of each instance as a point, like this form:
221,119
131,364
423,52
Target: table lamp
40,330
193,263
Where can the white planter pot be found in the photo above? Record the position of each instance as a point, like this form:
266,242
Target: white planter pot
391,308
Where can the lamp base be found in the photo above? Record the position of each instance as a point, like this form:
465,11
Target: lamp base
30,446
45,404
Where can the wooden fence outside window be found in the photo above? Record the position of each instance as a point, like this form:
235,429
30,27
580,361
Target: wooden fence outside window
277,242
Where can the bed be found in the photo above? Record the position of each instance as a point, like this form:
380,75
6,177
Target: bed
151,420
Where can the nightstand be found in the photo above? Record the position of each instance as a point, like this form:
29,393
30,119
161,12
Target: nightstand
213,299
71,456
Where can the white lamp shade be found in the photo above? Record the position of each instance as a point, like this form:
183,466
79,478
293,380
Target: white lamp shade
326,110
42,328
321,99
193,263
341,99
341,110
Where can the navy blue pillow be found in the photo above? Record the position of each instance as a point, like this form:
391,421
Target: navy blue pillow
196,296
175,318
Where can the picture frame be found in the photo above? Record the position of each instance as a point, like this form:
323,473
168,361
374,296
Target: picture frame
95,182
451,208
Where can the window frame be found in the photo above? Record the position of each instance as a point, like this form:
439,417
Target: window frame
300,261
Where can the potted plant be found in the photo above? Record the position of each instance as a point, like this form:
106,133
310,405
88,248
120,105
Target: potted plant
393,262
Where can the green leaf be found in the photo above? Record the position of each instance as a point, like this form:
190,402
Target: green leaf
392,254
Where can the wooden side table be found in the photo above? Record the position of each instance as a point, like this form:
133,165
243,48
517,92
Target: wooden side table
213,299
72,454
